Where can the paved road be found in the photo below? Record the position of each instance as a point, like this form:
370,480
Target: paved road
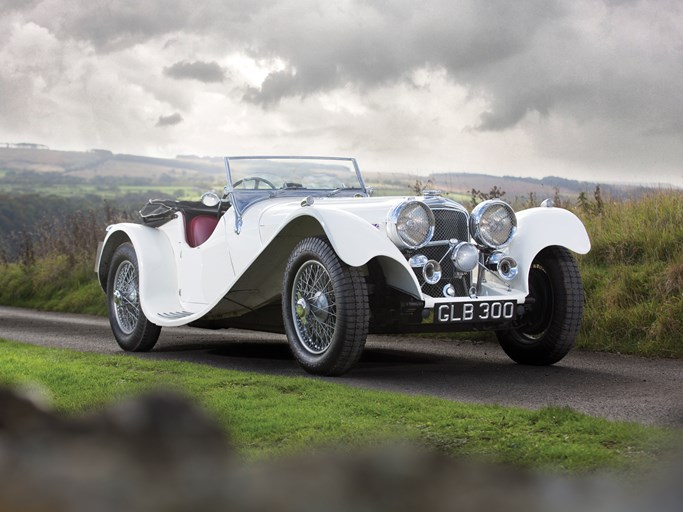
648,391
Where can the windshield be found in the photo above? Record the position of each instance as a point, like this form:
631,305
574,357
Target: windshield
293,173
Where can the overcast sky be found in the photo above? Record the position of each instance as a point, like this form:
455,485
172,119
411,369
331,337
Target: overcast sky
585,89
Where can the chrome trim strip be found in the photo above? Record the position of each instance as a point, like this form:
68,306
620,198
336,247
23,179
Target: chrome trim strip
175,314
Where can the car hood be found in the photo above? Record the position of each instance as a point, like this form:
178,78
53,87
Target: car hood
274,213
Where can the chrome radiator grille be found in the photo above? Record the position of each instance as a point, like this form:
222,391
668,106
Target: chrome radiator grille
450,223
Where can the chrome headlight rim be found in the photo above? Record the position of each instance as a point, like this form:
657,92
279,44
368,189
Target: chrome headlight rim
393,219
475,223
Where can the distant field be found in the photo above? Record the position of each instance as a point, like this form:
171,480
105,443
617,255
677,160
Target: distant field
102,162
101,168
396,187
187,193
68,173
111,192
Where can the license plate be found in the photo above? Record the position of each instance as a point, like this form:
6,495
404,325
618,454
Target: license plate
488,311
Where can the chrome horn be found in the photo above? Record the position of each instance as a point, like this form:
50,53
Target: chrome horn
432,272
503,266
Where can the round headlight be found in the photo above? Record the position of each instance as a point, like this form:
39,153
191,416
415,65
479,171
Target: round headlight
411,224
493,223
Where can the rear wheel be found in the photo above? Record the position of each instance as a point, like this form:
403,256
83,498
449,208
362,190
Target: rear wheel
132,330
325,309
547,332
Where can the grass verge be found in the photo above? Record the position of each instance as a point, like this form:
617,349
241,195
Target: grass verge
269,415
56,283
633,277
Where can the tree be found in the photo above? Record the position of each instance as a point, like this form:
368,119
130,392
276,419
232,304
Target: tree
557,199
599,204
584,203
496,193
420,186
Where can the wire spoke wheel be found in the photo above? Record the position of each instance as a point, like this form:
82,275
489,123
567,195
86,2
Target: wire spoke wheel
131,328
325,308
126,297
314,307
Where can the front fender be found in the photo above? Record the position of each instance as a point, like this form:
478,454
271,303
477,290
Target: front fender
156,265
355,241
538,228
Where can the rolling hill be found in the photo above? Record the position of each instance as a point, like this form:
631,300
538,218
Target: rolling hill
102,169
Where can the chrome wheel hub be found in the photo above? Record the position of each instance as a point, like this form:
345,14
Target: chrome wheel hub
320,306
302,308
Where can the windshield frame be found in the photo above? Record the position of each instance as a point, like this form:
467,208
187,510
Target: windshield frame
242,199
228,159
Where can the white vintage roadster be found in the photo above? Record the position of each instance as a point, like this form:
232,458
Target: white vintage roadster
297,245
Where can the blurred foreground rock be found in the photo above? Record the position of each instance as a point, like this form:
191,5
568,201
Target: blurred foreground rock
161,453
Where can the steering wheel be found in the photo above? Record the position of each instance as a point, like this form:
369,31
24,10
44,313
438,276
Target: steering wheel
256,179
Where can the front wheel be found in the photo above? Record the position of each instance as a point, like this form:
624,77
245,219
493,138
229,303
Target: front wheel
132,330
325,309
547,332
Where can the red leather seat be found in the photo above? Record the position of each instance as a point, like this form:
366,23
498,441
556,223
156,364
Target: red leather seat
200,228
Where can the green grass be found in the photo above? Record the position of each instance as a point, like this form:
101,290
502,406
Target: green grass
633,277
268,415
57,283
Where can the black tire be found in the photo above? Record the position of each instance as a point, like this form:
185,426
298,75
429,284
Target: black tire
547,332
132,330
325,309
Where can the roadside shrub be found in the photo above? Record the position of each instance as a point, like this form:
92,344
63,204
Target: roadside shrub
15,283
53,283
53,265
633,276
636,231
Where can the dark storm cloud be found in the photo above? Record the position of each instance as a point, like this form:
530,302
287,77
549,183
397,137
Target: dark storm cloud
579,59
17,5
383,42
170,120
115,24
206,72
613,65
615,61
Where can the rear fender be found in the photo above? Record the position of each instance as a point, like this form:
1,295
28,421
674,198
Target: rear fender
156,262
